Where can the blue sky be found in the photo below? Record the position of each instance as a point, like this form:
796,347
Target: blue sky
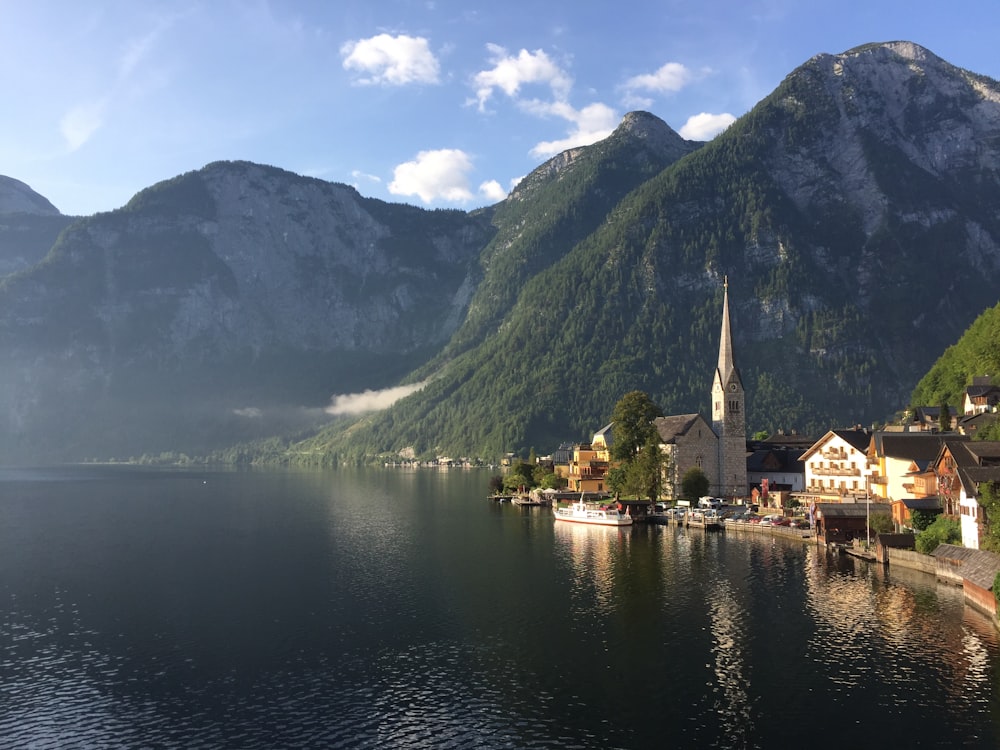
438,103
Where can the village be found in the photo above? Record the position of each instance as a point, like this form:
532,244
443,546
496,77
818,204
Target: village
927,466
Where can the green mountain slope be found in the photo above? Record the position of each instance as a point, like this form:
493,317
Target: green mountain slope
829,206
977,352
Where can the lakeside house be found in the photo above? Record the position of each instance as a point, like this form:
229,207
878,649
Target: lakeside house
836,467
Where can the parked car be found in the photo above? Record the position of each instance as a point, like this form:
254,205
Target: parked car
781,522
799,523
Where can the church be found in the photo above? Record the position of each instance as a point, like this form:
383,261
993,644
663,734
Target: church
718,448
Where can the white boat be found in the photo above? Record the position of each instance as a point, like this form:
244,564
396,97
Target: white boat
600,515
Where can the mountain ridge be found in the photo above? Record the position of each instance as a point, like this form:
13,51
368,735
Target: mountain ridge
250,290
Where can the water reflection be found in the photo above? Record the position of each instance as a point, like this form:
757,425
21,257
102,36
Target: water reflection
380,609
594,555
729,625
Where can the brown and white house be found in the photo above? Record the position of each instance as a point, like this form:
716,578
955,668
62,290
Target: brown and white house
962,467
836,468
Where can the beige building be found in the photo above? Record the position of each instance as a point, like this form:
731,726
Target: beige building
688,441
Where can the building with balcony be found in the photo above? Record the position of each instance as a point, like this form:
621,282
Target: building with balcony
836,468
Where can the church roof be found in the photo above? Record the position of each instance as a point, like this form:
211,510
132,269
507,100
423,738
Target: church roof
678,425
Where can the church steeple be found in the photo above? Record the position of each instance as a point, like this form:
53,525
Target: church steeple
726,362
728,411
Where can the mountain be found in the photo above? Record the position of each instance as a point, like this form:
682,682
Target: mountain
853,211
976,353
29,225
217,306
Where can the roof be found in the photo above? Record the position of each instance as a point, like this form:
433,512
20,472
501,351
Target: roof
783,440
786,460
985,451
921,503
849,510
912,446
675,426
856,438
972,476
975,391
976,565
897,541
606,433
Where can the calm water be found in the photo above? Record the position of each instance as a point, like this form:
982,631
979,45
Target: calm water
359,609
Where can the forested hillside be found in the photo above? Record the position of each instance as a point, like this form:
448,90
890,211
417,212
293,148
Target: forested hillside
829,207
853,211
977,352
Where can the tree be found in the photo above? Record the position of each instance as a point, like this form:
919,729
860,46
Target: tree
989,499
632,425
944,418
519,476
921,519
881,523
942,531
989,431
694,483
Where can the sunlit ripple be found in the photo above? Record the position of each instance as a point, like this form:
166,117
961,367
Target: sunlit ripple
733,704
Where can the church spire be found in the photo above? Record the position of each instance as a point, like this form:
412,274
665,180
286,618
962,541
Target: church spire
726,362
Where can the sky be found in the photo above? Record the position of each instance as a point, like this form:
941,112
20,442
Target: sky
436,103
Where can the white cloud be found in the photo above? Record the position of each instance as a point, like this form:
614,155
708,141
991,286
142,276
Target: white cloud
391,60
705,126
492,190
441,174
81,122
590,124
358,403
509,74
671,77
357,174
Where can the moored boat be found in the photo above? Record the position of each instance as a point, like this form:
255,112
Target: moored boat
598,515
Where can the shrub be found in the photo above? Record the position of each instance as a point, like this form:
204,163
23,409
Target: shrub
942,531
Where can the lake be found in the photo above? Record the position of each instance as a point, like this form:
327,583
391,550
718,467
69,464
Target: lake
399,608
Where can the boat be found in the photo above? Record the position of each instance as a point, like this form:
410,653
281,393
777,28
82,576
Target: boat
597,515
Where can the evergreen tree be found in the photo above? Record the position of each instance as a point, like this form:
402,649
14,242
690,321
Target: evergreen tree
944,418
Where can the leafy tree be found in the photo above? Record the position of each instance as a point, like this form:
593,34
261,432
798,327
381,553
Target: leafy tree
761,435
943,531
644,474
521,474
694,483
989,431
496,484
552,481
989,499
881,523
617,480
921,519
633,426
